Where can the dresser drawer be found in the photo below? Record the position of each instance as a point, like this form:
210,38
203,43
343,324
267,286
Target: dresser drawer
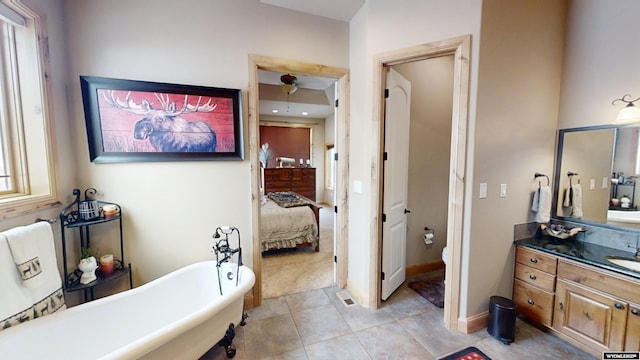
535,277
534,303
536,259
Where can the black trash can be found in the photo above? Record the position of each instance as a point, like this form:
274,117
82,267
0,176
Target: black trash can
502,319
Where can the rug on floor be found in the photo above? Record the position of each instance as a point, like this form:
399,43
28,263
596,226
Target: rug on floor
470,353
430,289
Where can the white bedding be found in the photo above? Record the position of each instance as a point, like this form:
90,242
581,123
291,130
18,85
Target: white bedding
283,228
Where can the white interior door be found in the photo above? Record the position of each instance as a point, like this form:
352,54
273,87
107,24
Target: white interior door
395,178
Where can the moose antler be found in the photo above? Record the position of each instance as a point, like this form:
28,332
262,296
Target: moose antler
168,108
127,104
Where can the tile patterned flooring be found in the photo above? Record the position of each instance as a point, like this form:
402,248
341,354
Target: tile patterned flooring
316,325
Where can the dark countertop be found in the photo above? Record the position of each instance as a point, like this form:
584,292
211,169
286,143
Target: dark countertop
580,251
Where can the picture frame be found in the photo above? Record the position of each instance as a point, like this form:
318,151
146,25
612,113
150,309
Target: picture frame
139,121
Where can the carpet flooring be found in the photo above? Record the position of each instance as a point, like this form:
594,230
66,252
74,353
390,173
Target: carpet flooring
287,272
431,289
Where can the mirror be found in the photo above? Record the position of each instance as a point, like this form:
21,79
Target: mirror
595,168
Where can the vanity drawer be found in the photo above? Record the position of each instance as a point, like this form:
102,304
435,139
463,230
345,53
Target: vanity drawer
535,277
606,281
536,259
534,303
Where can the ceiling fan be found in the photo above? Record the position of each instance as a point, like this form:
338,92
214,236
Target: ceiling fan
289,83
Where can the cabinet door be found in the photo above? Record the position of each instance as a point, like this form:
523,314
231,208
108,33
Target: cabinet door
632,342
593,318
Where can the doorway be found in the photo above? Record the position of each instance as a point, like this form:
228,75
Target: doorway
460,49
257,63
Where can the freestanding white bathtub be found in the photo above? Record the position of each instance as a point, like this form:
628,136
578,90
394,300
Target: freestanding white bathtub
624,218
178,316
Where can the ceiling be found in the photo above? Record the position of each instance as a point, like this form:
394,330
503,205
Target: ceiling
342,10
314,96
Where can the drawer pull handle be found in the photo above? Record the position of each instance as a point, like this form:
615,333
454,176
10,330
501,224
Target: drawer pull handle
530,302
619,306
532,277
635,312
533,260
561,306
588,316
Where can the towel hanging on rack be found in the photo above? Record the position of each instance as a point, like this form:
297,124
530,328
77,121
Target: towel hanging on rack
542,204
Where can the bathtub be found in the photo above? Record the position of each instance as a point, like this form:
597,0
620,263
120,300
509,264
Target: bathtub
178,316
624,218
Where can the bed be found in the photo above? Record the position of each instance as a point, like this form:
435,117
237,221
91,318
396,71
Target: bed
289,220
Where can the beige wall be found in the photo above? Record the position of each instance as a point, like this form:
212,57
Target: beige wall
601,61
429,149
518,90
383,26
172,209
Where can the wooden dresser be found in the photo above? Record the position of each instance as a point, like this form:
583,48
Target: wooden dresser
299,180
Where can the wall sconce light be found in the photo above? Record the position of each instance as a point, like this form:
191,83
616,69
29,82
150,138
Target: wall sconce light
630,114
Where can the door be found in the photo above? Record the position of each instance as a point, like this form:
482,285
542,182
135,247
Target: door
395,182
592,318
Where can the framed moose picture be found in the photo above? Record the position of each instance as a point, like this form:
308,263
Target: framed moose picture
129,120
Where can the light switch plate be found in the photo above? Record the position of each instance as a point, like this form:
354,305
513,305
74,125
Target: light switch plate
483,191
503,190
592,184
605,182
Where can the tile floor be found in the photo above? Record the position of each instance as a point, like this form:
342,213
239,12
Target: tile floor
317,325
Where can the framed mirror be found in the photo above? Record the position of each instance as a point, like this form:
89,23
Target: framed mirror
596,174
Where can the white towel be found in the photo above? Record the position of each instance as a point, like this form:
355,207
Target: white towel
542,204
576,201
16,304
24,249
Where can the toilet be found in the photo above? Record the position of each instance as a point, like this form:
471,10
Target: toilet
444,260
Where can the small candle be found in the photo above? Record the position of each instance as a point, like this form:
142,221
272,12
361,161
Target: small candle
308,162
106,264
109,211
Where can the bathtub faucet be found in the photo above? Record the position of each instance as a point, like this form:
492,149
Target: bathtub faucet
222,247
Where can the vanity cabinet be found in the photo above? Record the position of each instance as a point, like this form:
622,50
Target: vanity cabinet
593,308
534,285
299,180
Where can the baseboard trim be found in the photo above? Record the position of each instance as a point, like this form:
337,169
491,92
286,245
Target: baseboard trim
429,266
473,323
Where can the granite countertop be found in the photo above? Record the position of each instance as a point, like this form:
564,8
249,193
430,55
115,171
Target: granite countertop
580,251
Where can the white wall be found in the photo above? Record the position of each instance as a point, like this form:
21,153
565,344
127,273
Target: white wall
382,26
601,61
172,209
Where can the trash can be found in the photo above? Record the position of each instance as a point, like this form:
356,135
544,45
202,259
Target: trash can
502,319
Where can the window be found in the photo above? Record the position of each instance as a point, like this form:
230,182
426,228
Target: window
26,170
330,173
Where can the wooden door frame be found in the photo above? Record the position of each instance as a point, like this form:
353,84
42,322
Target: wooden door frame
258,62
460,48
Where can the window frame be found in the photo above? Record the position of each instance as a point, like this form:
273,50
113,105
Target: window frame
31,124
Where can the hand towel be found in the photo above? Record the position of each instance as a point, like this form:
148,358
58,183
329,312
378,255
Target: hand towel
542,204
576,201
24,249
567,197
16,305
